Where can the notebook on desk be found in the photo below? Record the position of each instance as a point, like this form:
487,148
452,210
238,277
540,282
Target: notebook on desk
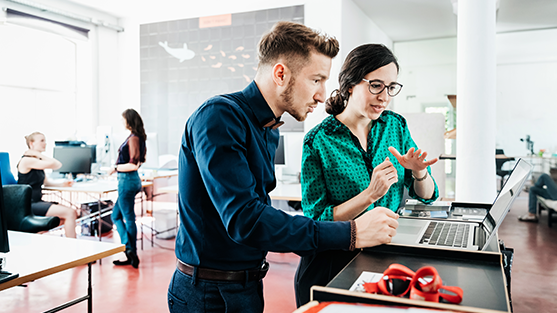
464,235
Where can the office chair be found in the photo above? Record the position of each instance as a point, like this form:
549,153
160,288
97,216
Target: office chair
17,201
499,166
7,176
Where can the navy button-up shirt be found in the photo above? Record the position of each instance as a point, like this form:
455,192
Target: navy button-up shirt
226,172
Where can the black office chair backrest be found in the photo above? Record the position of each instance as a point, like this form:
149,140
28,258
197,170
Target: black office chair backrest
17,202
499,162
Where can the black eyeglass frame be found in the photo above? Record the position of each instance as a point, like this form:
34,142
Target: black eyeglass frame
384,86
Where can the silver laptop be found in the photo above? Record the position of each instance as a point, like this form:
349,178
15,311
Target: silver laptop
463,235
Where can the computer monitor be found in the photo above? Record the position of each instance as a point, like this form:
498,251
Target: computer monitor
280,155
75,160
4,244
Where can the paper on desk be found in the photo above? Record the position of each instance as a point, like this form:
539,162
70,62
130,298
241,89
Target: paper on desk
365,277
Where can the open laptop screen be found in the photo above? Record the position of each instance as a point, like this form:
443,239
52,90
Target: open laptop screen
510,191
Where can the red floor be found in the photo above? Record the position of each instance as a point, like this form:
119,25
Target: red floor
124,289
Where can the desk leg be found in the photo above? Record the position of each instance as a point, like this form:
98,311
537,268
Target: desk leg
88,297
89,290
142,218
99,222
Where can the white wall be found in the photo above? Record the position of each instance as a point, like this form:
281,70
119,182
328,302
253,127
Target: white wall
526,76
339,18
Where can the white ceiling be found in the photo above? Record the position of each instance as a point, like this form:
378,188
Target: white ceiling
401,20
405,20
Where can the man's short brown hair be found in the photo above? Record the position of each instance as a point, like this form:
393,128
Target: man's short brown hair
294,42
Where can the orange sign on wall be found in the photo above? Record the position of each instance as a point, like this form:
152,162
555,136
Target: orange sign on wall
215,20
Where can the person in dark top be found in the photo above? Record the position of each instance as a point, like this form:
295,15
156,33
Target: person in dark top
131,155
226,171
31,172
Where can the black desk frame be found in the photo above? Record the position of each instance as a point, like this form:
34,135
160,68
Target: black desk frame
477,273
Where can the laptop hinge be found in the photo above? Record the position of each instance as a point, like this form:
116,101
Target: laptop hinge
479,236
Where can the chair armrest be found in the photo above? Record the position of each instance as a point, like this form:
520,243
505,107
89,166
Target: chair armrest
35,224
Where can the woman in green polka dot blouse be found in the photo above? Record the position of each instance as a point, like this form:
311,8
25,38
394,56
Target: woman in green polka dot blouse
352,160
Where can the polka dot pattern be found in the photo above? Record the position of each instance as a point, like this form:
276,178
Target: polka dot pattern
335,168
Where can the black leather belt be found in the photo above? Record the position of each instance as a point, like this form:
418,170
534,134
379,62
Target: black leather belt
218,275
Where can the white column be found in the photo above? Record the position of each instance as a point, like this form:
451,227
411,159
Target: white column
475,139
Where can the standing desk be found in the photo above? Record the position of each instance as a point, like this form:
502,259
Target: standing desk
34,256
480,275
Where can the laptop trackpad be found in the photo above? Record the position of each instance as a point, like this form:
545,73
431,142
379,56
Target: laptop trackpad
409,230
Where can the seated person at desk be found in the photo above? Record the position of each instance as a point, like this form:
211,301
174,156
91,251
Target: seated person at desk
31,172
549,192
348,166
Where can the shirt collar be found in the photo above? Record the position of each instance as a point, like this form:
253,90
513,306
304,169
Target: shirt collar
332,124
260,107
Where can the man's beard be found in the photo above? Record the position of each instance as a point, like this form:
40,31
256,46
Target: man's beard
287,98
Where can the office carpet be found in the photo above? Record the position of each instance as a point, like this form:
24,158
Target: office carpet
124,289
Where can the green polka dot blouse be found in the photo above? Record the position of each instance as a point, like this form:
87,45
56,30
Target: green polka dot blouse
335,168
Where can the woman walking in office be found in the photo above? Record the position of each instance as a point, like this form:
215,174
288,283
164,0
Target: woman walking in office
31,172
131,155
351,161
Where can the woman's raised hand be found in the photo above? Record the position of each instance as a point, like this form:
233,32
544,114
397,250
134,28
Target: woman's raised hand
413,159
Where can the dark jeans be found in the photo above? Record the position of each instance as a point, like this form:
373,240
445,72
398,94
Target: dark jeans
186,294
319,269
538,190
123,214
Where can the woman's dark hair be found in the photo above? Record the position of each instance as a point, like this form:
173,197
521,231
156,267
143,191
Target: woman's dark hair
135,123
359,62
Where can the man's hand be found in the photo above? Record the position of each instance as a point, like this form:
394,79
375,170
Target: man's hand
384,175
376,227
413,160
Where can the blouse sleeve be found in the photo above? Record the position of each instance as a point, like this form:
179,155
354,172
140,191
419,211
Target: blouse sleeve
408,178
314,187
133,144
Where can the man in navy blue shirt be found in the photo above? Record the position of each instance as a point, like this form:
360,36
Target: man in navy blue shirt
226,172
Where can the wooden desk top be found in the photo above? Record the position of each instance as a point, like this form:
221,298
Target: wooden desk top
99,186
152,175
33,256
453,157
292,192
168,189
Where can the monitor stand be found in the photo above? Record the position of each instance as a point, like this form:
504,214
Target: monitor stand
4,275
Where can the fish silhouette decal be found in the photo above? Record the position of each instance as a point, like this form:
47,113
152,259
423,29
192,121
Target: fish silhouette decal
181,54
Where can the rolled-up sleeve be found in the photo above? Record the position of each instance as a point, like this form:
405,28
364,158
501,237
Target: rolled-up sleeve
408,178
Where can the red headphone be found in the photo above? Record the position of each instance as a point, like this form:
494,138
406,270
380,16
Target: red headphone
419,287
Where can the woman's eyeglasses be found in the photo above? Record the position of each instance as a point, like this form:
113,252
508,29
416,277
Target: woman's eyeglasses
376,87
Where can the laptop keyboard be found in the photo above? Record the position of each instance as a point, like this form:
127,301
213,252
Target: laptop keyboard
446,234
